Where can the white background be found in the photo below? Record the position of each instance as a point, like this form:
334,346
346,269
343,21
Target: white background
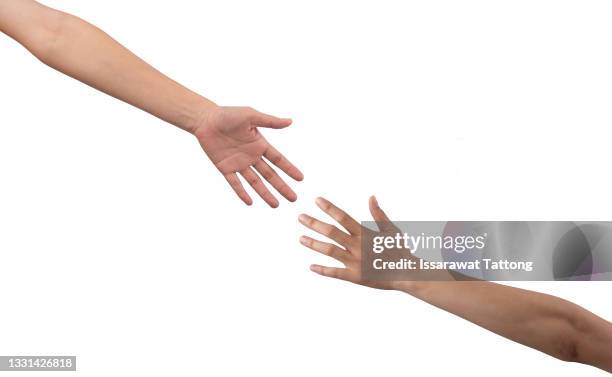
121,244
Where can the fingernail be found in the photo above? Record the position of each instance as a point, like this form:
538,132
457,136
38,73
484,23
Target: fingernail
302,218
303,240
313,268
375,200
320,201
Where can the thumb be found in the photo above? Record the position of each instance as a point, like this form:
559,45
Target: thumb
382,220
269,121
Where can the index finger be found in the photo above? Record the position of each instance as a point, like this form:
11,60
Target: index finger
339,215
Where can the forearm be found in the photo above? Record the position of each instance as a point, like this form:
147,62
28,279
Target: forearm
84,52
546,323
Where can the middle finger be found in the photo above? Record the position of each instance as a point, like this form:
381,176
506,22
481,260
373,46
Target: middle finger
325,229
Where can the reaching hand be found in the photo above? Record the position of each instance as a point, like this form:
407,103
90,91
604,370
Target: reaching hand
350,252
230,138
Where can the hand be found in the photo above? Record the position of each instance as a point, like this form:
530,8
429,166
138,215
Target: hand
350,251
230,138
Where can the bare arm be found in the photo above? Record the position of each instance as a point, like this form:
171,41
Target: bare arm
78,49
547,323
84,52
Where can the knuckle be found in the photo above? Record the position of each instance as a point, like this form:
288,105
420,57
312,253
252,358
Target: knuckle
253,180
338,234
336,254
327,249
268,174
277,159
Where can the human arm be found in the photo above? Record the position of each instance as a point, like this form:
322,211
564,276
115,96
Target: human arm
547,323
228,135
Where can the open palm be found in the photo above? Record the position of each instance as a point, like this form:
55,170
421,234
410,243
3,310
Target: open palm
231,139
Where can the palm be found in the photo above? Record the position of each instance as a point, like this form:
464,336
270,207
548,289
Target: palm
232,141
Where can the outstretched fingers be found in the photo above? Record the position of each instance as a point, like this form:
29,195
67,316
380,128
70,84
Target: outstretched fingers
339,215
325,248
275,157
253,179
331,272
325,229
275,180
236,185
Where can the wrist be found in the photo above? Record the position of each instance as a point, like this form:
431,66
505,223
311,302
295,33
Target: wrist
200,114
410,287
